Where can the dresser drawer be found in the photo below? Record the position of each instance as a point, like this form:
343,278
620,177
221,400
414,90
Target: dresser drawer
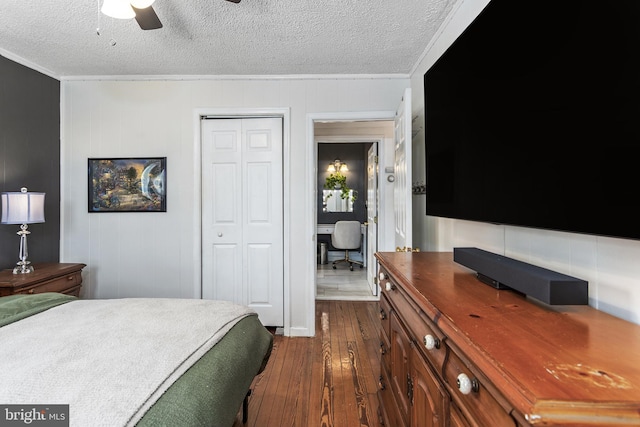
385,353
69,284
426,336
471,395
385,311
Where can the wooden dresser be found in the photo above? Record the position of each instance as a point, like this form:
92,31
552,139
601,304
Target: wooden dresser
65,278
457,352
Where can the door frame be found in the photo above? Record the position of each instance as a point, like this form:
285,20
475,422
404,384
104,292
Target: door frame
311,202
243,113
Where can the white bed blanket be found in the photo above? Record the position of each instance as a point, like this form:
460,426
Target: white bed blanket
110,360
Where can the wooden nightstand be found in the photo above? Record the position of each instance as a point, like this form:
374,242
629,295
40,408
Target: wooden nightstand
65,278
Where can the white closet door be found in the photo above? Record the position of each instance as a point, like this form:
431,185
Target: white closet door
242,214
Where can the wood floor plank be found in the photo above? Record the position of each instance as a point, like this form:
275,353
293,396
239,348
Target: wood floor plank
326,411
364,345
285,394
300,415
295,399
346,395
369,327
317,372
338,400
329,380
275,391
357,366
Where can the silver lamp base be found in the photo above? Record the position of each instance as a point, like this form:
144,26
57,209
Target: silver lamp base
23,267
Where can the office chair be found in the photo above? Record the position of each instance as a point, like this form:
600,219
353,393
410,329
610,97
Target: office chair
347,236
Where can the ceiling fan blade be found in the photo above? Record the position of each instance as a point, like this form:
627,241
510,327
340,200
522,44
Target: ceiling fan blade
234,1
147,18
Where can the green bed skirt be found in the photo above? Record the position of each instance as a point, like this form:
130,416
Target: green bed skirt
211,392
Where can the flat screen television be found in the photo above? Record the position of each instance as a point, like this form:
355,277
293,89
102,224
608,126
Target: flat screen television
532,118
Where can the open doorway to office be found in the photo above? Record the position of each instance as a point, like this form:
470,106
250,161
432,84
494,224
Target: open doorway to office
356,145
346,161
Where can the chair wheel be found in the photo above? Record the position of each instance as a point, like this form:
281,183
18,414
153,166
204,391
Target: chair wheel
351,267
361,265
334,267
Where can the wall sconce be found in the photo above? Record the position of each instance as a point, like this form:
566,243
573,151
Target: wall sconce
337,166
22,208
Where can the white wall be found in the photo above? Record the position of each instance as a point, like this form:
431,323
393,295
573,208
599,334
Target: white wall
152,254
609,265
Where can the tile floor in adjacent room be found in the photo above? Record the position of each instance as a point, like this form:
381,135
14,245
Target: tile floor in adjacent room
342,283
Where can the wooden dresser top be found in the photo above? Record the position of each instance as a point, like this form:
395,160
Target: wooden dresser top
543,358
42,271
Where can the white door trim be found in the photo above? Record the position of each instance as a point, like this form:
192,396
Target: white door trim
403,200
285,114
311,201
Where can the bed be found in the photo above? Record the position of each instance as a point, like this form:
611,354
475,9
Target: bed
131,362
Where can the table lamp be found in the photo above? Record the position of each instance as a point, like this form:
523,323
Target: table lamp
22,208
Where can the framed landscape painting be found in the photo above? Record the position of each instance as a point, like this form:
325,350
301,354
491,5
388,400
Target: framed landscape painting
132,184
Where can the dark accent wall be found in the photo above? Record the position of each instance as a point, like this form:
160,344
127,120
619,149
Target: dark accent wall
355,156
30,156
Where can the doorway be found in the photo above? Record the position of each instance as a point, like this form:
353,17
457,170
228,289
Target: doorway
349,160
387,171
355,143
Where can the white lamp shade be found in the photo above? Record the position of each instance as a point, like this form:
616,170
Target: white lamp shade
120,9
141,4
22,208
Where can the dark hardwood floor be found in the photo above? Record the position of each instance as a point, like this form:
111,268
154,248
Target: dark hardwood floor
329,380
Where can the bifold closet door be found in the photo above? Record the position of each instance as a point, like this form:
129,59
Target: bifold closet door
242,214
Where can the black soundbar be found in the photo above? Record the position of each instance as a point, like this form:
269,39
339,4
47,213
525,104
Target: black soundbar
501,272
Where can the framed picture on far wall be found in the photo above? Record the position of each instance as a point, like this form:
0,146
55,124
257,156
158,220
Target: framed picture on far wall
132,184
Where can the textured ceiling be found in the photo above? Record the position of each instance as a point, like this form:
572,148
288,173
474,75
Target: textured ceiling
217,37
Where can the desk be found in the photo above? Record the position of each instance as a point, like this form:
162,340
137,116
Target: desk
328,229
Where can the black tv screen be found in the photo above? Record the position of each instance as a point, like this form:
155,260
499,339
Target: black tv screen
532,118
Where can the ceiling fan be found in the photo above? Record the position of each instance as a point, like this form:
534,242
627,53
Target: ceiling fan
139,9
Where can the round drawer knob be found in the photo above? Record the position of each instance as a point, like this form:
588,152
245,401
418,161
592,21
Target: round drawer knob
464,384
382,276
467,385
388,286
431,342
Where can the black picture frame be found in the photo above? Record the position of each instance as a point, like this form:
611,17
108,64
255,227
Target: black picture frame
127,184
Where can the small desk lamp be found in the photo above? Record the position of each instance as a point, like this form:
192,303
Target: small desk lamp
22,208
